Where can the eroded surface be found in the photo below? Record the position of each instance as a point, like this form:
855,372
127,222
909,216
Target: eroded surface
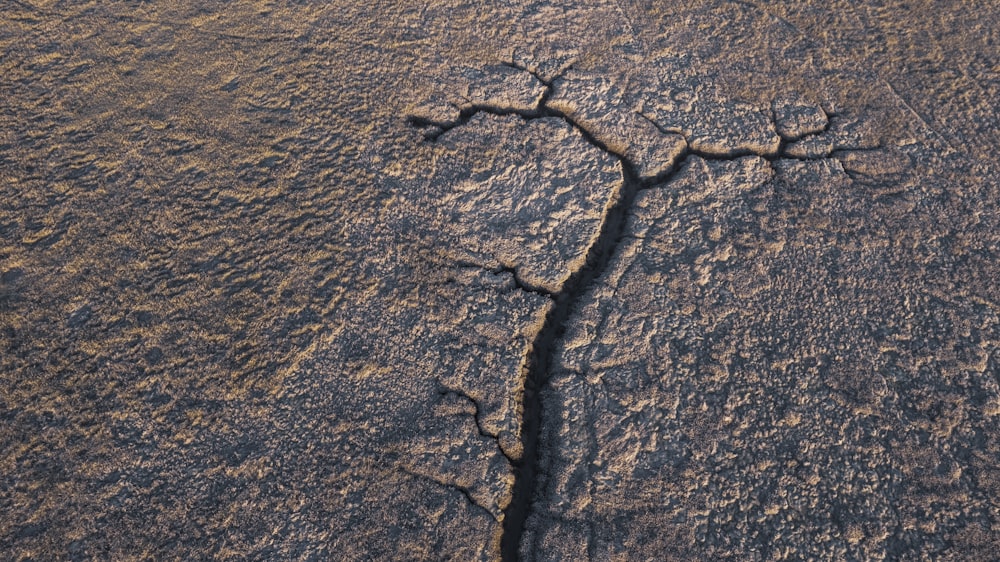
535,279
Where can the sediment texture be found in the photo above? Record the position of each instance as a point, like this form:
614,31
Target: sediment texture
536,280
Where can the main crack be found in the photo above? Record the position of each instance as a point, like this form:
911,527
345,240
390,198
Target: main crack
541,355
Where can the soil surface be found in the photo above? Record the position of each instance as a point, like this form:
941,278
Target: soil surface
521,280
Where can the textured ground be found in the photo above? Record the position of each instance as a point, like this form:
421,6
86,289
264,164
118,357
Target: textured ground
532,280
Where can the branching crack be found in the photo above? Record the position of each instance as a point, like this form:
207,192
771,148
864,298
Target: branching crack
461,489
483,432
780,154
542,351
521,283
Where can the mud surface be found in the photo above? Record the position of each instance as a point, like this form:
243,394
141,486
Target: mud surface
520,280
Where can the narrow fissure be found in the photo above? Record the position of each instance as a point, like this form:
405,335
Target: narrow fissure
477,417
466,493
543,349
541,356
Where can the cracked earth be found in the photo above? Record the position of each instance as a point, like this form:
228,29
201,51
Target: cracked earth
648,158
534,281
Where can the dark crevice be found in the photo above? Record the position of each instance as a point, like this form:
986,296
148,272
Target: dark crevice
541,354
689,150
542,351
780,154
519,283
461,489
547,94
786,139
434,129
448,391
789,139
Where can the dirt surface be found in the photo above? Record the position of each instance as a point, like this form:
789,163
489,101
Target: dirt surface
515,280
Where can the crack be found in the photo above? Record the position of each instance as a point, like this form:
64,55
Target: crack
780,154
786,139
542,351
547,94
689,150
461,489
434,129
477,417
519,282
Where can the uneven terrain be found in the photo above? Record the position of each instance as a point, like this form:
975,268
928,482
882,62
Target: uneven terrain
523,280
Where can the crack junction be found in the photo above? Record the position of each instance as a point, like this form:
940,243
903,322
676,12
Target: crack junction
541,353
